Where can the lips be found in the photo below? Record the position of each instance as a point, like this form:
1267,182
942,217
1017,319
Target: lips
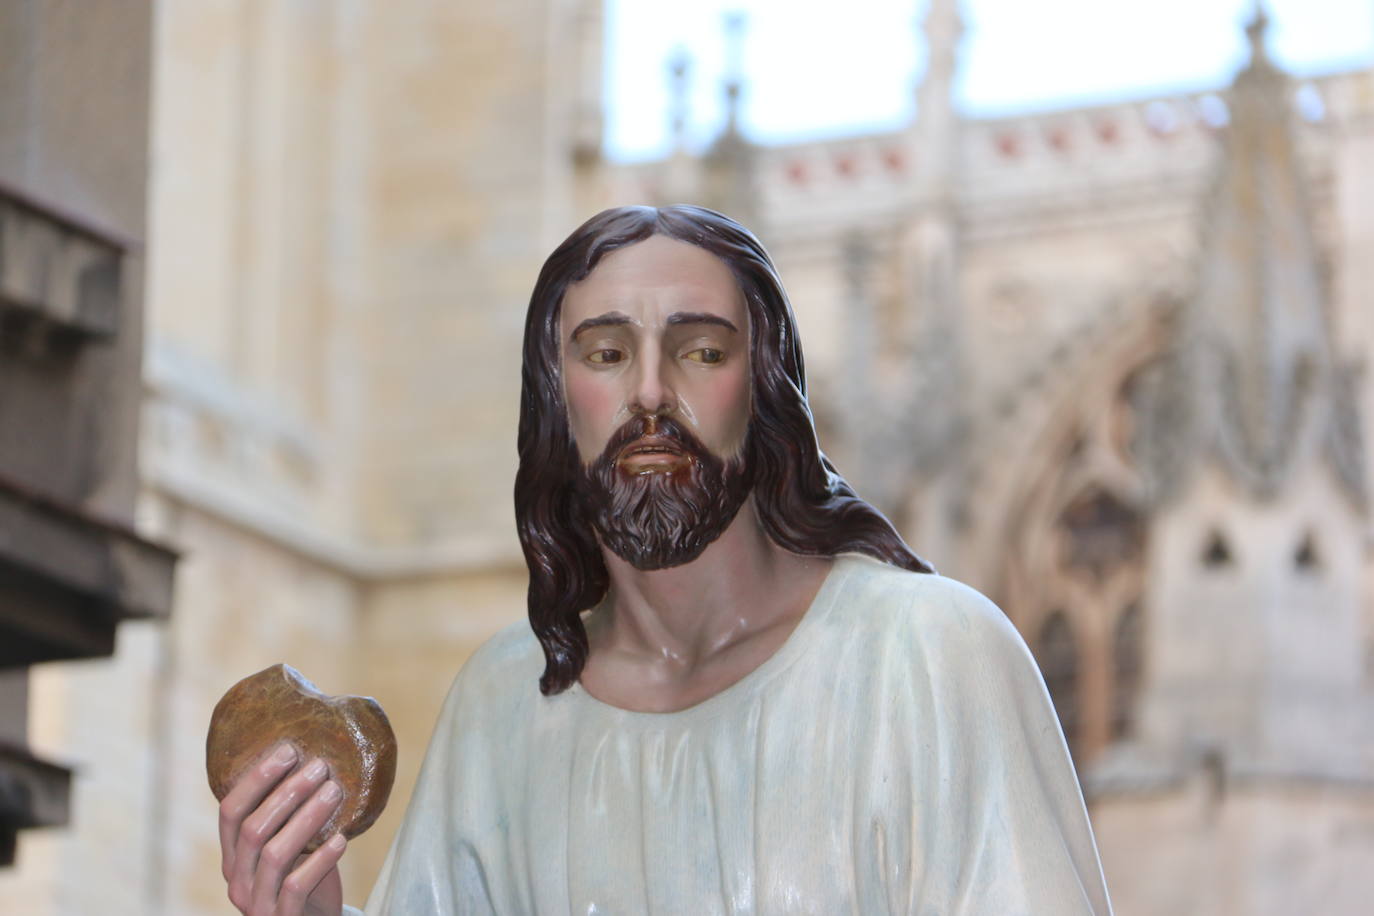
652,453
647,446
657,496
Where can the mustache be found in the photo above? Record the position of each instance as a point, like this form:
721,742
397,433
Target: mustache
658,520
664,431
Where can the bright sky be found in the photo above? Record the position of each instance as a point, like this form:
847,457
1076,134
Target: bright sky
814,69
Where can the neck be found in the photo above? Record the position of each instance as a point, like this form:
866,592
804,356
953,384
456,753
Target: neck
682,618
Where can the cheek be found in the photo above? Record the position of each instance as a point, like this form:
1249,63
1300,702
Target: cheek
723,408
741,400
592,408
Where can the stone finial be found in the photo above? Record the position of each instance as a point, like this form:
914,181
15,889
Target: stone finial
729,165
1256,30
1258,381
679,86
942,29
735,23
934,135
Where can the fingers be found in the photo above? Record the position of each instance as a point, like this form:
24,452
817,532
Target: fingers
285,847
308,875
245,796
263,825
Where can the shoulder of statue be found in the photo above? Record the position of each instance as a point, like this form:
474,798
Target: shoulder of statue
511,646
925,608
503,671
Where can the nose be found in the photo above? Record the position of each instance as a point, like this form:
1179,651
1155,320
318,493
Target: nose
653,391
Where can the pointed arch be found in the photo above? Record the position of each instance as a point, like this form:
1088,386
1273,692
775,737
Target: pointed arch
1056,649
1076,523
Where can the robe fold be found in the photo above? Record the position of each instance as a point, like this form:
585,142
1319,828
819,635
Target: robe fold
897,754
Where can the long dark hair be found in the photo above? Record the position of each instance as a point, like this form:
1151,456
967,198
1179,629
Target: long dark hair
803,504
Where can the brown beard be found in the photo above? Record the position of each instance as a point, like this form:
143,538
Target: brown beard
668,516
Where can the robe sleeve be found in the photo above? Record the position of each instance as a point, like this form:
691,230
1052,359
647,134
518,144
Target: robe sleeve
1011,830
429,868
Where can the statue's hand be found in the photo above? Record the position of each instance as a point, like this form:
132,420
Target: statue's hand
265,822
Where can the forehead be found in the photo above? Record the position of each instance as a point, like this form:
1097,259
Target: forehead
655,277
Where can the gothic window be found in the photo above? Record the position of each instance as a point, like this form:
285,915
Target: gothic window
1077,446
1103,534
1125,409
1127,645
1217,553
1057,652
1305,558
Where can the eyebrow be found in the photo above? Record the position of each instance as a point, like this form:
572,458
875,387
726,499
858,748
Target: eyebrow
701,318
619,319
610,319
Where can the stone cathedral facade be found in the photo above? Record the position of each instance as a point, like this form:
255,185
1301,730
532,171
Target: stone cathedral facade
1110,365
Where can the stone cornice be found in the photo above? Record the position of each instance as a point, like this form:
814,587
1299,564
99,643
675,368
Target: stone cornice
58,272
342,554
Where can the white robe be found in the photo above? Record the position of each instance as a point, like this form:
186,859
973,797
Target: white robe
898,754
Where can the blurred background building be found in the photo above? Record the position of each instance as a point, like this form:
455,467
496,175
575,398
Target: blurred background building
1105,363
73,167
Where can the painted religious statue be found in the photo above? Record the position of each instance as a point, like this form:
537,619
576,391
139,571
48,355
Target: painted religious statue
739,691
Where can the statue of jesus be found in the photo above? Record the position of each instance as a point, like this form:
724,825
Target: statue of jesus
738,691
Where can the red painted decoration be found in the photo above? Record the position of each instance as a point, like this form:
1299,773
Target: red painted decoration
1008,145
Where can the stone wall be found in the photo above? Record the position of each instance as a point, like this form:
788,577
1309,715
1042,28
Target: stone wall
1251,848
73,128
73,166
348,206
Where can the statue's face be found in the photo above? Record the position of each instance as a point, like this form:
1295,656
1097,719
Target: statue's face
659,327
657,383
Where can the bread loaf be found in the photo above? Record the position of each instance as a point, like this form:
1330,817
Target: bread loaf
350,733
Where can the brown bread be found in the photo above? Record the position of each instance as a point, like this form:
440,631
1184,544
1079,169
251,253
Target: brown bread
350,733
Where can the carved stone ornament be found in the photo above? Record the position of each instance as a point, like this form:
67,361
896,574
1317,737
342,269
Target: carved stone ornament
1345,441
1252,378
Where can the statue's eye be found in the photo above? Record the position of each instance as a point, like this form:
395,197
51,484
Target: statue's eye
708,355
605,356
